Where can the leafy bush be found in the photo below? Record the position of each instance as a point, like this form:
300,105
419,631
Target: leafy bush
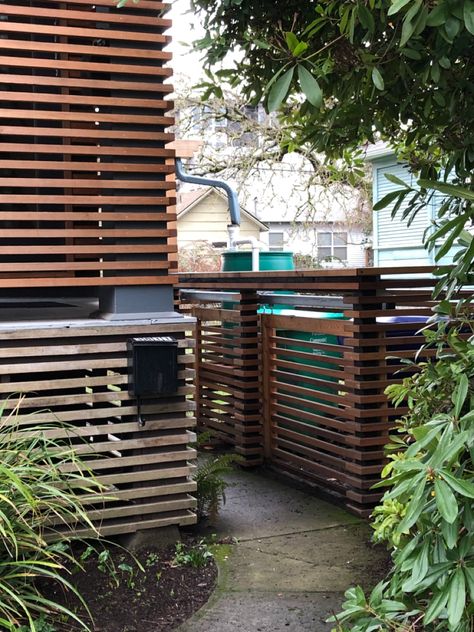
40,503
427,514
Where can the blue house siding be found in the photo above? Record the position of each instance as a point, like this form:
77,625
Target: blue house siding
394,243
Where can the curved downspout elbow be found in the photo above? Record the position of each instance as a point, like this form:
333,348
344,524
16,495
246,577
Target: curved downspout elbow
234,207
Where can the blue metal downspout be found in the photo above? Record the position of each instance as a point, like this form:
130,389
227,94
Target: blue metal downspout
234,207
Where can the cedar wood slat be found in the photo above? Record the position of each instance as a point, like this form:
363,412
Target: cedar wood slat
110,95
150,467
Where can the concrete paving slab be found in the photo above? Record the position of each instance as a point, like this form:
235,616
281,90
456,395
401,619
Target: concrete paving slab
327,560
254,612
259,506
295,555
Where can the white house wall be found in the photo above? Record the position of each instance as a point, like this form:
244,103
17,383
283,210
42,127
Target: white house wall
302,240
208,220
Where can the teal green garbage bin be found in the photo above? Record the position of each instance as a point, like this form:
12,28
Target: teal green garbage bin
241,261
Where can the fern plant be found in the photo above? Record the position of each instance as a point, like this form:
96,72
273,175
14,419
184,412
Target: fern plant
209,476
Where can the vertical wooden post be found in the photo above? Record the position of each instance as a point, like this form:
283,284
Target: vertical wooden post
247,395
265,386
370,434
197,375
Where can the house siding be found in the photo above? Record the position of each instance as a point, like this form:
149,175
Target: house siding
208,220
394,242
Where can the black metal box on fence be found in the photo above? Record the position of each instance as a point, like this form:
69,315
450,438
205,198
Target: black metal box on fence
152,366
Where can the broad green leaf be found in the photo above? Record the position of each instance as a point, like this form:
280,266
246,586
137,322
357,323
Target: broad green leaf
445,501
396,6
391,606
279,90
452,26
366,18
457,598
450,533
469,575
310,86
446,247
461,486
396,180
468,15
460,394
415,506
386,200
433,575
436,606
291,40
411,53
422,564
438,15
410,23
448,189
261,44
377,79
444,62
300,49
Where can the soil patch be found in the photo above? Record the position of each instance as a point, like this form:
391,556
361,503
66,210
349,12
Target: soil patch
123,598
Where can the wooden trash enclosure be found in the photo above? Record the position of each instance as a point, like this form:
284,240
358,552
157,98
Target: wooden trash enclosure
87,186
321,414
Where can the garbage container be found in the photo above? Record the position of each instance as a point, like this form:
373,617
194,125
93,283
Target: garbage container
326,383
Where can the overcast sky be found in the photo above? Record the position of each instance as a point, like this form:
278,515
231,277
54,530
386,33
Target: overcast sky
185,29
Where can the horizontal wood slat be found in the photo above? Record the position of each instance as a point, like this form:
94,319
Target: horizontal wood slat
77,378
85,178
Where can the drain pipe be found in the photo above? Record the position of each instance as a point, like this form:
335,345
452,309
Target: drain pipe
233,228
234,207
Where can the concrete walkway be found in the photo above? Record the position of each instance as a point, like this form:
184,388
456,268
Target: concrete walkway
295,555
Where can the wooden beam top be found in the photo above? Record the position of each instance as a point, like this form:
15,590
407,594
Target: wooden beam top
185,148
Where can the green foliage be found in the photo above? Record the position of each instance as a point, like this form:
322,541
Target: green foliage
211,485
399,69
196,556
343,74
39,493
107,565
427,512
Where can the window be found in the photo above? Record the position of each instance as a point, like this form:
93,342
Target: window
276,241
332,245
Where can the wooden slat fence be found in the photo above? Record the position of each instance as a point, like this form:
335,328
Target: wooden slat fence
87,190
77,376
227,384
322,415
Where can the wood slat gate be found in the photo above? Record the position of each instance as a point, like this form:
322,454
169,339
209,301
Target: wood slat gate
87,187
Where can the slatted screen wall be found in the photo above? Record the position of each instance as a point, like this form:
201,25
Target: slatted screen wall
75,378
86,186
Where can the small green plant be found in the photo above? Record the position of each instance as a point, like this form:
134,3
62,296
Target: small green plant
129,573
196,556
151,559
211,484
41,625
